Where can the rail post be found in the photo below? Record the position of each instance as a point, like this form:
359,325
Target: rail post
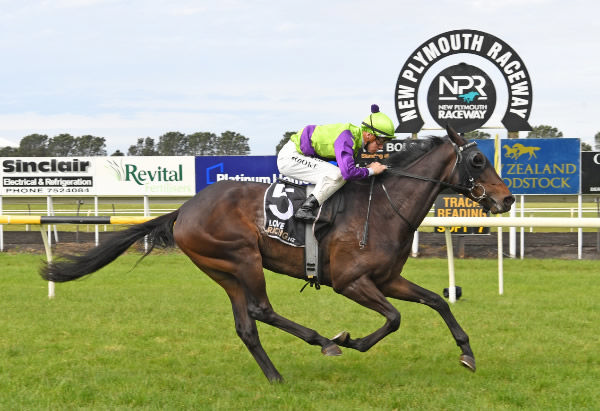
48,259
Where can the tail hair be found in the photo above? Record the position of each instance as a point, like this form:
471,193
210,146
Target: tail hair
70,267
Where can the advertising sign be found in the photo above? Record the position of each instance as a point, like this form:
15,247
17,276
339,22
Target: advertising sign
47,176
463,96
541,165
590,172
262,169
151,176
457,205
486,146
479,43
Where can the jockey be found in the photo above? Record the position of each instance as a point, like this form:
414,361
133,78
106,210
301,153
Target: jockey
306,156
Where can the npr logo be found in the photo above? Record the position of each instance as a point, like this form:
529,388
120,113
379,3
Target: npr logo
461,85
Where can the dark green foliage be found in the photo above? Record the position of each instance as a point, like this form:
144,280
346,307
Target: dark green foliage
284,140
543,131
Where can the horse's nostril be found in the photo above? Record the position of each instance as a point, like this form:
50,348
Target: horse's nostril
508,201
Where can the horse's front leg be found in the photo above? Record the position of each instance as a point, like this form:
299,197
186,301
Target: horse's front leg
366,293
402,289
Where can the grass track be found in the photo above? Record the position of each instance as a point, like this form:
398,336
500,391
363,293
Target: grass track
162,337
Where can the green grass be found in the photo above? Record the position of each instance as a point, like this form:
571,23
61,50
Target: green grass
162,337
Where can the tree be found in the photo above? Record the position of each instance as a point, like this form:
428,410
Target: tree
202,144
585,147
62,145
477,135
90,146
172,143
232,143
9,151
597,141
144,147
544,132
117,153
33,145
284,140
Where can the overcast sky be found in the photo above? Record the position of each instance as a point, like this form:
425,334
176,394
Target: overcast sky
129,69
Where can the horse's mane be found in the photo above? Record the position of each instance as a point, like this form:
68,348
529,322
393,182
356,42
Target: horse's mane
412,150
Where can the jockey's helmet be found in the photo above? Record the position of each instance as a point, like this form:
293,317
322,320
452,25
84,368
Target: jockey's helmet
378,123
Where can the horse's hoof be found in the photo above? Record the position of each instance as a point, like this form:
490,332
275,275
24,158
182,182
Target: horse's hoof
331,350
468,362
341,338
276,379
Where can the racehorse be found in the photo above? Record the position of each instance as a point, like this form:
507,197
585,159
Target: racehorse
222,231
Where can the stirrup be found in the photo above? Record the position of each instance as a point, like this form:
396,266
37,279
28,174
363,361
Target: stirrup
305,214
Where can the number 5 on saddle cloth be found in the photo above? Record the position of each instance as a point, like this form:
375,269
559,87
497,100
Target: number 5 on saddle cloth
282,199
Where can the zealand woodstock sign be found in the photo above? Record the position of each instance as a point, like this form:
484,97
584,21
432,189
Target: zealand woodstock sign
463,95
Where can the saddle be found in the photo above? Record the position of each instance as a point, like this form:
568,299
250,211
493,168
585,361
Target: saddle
281,201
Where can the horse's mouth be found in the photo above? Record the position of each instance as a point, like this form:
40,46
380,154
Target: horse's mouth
497,207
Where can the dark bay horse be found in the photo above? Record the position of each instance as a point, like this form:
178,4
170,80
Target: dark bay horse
221,230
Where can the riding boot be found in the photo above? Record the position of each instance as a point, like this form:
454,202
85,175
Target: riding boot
307,210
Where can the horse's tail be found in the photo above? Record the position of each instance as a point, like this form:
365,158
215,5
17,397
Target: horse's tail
70,267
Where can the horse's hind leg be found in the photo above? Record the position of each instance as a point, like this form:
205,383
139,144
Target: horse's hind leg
260,309
245,326
402,289
249,301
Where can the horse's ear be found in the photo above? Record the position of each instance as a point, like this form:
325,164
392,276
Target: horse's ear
454,136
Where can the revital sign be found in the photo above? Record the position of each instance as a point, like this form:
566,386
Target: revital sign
464,86
151,176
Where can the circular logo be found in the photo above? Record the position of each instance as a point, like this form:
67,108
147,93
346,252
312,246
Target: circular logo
462,96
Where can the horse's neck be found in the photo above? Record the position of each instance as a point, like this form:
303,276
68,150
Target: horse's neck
437,165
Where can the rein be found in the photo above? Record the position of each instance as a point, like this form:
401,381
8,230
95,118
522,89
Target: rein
363,242
458,163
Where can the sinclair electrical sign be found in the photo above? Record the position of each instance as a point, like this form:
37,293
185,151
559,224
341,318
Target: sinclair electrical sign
463,95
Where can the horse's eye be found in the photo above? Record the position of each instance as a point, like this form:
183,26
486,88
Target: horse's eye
477,160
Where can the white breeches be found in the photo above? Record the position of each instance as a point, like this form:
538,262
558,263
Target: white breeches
326,177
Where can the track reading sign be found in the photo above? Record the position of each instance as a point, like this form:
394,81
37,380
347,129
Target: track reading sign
457,205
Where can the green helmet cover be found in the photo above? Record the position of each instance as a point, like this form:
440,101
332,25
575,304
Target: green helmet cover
378,123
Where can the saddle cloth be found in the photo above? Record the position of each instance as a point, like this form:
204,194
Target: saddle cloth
281,201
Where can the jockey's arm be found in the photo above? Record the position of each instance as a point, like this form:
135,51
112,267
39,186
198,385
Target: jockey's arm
344,155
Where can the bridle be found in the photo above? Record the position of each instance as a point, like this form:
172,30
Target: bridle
470,170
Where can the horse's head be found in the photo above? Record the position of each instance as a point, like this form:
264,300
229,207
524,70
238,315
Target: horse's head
476,178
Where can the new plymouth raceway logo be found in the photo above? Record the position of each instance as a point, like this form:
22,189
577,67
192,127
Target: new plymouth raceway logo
474,42
463,95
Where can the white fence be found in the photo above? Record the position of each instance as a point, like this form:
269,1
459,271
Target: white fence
500,222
